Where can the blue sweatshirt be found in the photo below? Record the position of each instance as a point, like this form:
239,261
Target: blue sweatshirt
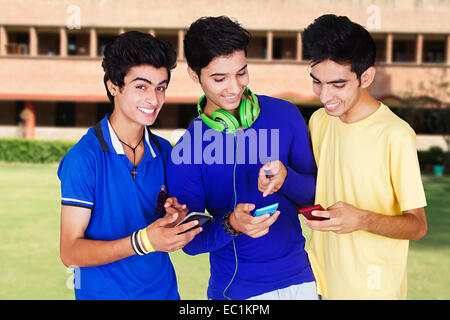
205,172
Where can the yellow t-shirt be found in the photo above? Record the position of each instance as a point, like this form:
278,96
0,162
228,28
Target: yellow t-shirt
371,164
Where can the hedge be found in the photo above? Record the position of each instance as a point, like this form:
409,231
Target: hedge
34,151
44,151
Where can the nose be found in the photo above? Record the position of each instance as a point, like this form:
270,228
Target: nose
324,94
151,98
234,86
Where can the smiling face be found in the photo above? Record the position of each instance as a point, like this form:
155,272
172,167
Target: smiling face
223,81
142,96
339,89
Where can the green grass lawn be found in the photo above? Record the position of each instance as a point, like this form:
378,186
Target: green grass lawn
30,267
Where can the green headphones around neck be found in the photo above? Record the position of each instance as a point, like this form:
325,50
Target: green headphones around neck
222,120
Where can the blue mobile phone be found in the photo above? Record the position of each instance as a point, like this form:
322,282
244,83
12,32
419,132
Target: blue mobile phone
266,210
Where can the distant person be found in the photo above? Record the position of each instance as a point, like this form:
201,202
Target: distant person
368,174
221,164
113,185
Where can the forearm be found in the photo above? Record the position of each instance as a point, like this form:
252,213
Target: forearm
212,238
408,226
88,253
299,187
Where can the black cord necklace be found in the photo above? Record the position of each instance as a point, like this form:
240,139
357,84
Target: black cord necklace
134,172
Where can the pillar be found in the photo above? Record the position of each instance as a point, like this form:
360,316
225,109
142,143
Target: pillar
180,44
389,47
63,42
93,43
3,40
34,41
269,45
29,117
419,48
448,49
299,47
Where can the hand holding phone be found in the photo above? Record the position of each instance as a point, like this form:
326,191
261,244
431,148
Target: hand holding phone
307,212
266,210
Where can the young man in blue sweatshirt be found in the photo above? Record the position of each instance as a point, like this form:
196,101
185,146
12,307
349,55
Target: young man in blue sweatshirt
242,153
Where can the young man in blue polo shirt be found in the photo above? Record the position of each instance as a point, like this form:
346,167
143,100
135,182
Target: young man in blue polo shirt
231,167
113,179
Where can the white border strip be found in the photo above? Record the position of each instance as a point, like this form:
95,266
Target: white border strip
76,200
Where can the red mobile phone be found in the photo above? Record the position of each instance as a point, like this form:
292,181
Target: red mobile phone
306,212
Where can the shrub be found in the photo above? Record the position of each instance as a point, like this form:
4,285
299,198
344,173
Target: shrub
34,151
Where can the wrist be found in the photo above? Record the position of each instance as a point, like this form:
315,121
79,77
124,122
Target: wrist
140,242
233,221
364,220
228,226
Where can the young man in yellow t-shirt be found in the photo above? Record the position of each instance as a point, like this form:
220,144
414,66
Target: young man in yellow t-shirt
368,173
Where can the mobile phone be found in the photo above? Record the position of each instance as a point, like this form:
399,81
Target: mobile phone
202,217
307,212
266,210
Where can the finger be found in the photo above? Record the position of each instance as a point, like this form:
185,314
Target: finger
263,180
168,219
169,202
324,225
267,219
244,207
272,219
189,235
338,204
269,189
185,226
272,166
259,234
249,207
259,219
172,201
321,213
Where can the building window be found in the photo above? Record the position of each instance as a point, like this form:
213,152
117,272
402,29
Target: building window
170,36
102,41
103,109
380,44
78,44
257,47
65,114
48,43
404,50
18,42
434,51
285,46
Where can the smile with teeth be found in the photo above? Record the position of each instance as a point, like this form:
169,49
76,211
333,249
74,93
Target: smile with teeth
146,110
231,98
332,106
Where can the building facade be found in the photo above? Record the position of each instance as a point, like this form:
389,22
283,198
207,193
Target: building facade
51,51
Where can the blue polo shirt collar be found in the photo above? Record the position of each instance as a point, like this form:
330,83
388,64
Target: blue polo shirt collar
112,141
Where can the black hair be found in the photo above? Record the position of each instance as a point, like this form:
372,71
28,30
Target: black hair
131,49
211,37
340,40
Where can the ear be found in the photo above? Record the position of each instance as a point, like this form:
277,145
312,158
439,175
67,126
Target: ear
367,77
193,75
112,88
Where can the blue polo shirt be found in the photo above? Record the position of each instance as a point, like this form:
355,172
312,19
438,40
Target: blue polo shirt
96,174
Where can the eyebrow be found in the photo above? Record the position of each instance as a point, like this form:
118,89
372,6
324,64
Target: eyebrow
148,81
222,74
330,82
